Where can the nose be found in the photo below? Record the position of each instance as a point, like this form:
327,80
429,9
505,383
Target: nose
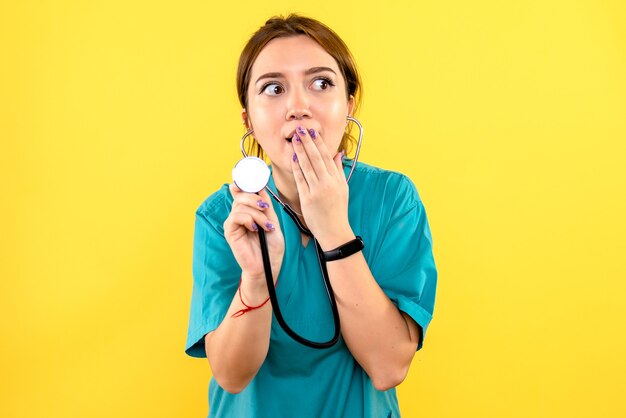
298,105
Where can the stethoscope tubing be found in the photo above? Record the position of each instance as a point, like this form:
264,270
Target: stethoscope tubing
269,278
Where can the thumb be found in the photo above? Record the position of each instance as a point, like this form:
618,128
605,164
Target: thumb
339,162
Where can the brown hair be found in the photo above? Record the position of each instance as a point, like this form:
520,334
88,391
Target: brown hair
294,25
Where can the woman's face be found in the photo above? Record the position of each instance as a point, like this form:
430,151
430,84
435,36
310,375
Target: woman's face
295,82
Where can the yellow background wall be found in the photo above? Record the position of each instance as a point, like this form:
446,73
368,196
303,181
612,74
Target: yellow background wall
119,117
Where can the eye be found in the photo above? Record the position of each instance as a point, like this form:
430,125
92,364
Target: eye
272,89
322,83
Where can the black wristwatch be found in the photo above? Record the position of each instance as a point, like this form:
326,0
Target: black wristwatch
344,250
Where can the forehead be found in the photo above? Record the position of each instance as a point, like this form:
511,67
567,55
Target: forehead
293,54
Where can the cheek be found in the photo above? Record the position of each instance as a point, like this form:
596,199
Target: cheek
336,122
336,111
263,121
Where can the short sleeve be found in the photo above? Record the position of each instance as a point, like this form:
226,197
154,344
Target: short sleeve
403,262
215,276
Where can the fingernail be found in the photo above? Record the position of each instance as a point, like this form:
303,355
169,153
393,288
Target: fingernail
301,130
296,138
295,157
312,133
256,228
261,204
269,226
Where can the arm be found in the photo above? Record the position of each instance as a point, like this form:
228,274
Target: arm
237,348
380,337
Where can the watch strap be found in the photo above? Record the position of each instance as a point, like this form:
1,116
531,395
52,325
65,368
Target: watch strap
345,250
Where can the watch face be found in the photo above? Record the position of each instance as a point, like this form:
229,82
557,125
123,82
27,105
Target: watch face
251,174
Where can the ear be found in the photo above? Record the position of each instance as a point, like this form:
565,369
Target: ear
351,104
245,119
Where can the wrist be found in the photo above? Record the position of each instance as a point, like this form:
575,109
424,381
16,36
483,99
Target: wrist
337,239
256,279
247,305
345,250
254,289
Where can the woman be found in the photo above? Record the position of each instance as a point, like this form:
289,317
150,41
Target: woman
297,85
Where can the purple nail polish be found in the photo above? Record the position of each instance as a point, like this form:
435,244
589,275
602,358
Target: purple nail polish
312,133
295,157
261,204
269,226
301,130
256,228
296,138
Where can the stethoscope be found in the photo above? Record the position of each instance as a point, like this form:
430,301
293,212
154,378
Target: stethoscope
251,174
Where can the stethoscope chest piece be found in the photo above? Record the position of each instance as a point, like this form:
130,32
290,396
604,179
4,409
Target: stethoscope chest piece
251,174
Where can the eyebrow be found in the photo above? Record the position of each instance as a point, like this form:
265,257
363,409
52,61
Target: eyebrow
312,70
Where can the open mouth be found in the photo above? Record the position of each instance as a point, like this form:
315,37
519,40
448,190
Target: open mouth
289,138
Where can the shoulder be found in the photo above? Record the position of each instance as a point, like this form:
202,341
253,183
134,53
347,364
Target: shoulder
216,207
390,187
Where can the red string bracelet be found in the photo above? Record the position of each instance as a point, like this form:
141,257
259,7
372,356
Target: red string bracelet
248,307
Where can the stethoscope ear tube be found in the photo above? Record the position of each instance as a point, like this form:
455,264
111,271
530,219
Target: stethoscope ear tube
269,277
358,146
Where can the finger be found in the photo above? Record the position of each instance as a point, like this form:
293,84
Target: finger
338,160
259,202
325,154
258,217
252,200
303,161
237,220
270,212
314,157
234,190
301,183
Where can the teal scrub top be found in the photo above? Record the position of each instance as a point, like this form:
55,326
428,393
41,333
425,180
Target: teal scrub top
294,380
